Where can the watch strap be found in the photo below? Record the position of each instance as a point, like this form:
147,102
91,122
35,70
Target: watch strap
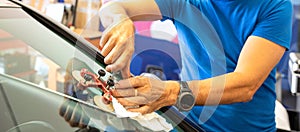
184,87
184,90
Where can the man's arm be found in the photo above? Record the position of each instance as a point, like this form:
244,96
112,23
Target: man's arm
258,57
136,10
117,41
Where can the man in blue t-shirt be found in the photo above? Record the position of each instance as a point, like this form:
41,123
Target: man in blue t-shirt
229,51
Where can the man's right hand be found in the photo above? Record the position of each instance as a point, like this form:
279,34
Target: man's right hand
117,45
117,42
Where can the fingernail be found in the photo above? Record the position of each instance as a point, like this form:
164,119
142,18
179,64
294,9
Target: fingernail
108,68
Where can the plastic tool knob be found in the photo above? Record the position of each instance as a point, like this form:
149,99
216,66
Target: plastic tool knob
87,77
110,82
101,72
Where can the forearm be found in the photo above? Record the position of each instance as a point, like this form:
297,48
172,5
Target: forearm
257,59
225,89
136,10
112,12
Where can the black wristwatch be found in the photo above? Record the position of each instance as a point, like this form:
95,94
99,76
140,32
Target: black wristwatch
185,99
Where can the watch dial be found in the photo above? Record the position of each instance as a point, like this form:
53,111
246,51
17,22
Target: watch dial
187,101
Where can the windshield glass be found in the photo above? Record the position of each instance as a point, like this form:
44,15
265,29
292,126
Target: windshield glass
32,52
41,71
35,57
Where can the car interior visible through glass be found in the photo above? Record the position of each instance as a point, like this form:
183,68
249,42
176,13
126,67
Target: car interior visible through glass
39,85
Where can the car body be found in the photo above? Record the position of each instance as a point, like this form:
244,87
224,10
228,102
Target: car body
37,88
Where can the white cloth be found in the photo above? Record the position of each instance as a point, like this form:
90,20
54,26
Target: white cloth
152,121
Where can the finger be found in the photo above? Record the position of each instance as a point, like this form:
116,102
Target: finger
75,119
84,120
63,108
133,82
121,62
112,56
143,109
120,93
104,38
69,110
108,47
133,101
126,71
123,46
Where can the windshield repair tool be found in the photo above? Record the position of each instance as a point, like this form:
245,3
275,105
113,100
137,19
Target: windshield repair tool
87,79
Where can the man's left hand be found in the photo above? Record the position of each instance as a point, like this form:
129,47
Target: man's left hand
145,95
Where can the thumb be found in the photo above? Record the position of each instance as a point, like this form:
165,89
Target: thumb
126,71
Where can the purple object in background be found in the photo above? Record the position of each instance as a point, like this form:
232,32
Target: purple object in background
159,57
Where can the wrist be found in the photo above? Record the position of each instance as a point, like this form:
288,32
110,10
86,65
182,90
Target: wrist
117,18
173,88
186,99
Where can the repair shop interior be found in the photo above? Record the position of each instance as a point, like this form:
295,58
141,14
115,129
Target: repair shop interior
63,65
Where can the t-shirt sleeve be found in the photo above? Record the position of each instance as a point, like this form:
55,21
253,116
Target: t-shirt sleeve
275,24
170,8
165,10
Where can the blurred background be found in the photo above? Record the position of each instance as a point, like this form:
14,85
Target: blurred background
81,16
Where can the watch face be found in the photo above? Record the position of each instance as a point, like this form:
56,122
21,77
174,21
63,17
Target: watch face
187,101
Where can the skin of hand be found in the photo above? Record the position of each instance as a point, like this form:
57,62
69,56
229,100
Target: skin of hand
151,94
117,45
117,41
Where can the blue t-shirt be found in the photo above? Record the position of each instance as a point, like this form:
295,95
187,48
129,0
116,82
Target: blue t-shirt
212,34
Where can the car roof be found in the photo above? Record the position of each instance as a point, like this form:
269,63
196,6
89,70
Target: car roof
8,4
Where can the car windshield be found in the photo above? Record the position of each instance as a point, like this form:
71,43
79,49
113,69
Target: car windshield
32,52
38,83
36,57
